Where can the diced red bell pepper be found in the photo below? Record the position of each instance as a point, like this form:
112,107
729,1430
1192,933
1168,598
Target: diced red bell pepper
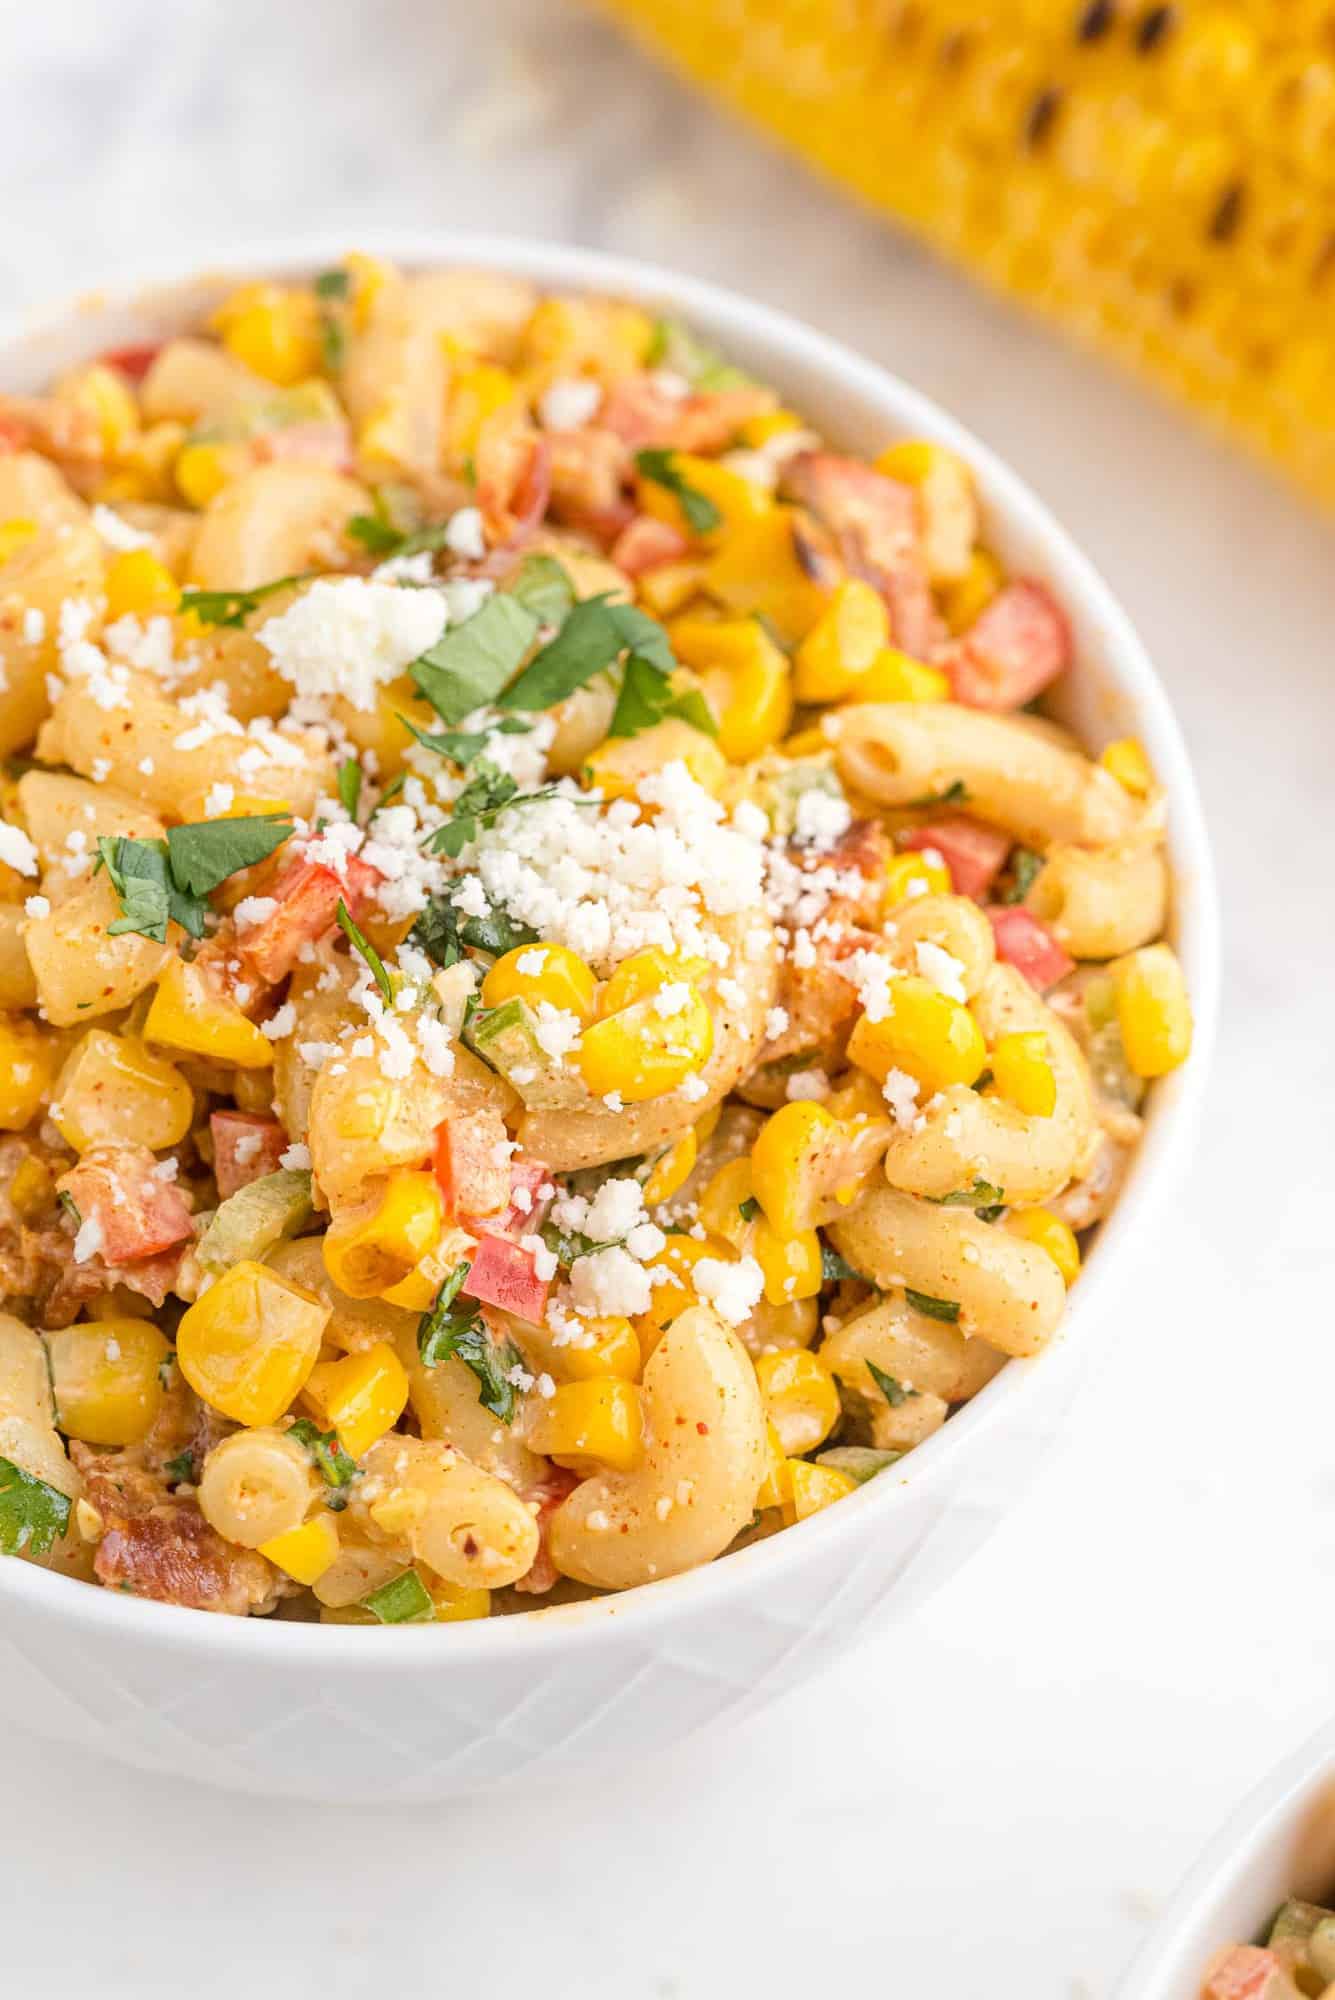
647,543
501,1274
1015,647
137,1213
525,1212
1028,945
470,1164
875,522
1246,1972
246,1147
974,853
133,361
307,894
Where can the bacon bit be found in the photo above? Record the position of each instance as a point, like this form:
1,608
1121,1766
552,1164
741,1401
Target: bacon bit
514,476
158,1545
590,470
646,544
1015,648
640,411
875,523
246,1147
503,1275
138,1214
465,1162
515,1220
973,853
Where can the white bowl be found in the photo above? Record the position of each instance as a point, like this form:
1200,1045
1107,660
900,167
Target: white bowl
1279,1843
432,1712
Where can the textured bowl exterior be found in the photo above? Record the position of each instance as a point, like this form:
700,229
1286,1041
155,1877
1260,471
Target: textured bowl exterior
432,1713
1279,1843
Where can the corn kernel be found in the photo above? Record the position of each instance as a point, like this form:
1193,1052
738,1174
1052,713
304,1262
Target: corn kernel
202,470
672,1169
856,1099
304,1553
113,1091
1153,1011
735,499
137,585
588,1425
15,534
455,1602
720,1208
27,1067
1050,1233
537,972
914,874
800,1396
781,1157
670,1277
816,1486
642,975
806,743
923,1032
1022,1072
272,331
758,569
774,423
32,1188
103,394
361,1397
187,1014
776,1488
620,765
753,700
641,1053
369,277
843,643
473,396
611,1347
374,1246
106,1379
1128,763
249,1343
791,1265
669,586
966,600
893,676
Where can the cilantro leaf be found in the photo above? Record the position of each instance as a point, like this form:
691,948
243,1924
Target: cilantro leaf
479,804
333,343
646,698
350,785
675,346
1024,866
983,1196
448,1329
923,1302
461,746
592,639
568,1244
332,284
335,1466
496,933
894,1392
404,1600
233,607
436,932
33,1515
379,537
181,1467
544,588
441,1321
956,794
748,1209
141,875
205,853
702,516
471,663
644,635
834,1268
359,941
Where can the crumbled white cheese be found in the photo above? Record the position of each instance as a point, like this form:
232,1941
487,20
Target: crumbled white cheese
732,1288
118,533
614,1210
465,535
569,403
776,1020
348,636
900,1091
34,625
807,1086
16,850
610,1282
821,819
253,910
941,969
219,800
556,1030
282,1023
37,906
88,1240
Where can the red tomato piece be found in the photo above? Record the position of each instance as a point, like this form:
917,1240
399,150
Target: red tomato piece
1246,1972
973,853
137,1214
133,361
646,543
470,1165
1014,649
874,520
246,1147
1028,945
502,1274
307,894
526,1209
314,443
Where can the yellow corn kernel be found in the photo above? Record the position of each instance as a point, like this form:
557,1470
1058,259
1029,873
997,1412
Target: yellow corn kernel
113,1091
567,336
621,764
923,1032
806,743
369,276
735,500
758,569
32,1187
473,396
1130,766
137,585
144,466
106,1379
372,1247
668,586
843,643
187,1014
304,1553
913,874
857,1099
27,1066
1153,1011
801,1398
776,1488
612,1348
752,698
964,601
248,1344
454,1602
273,331
641,1053
672,1169
361,1397
782,1151
1050,1233
587,1425
720,1208
416,1292
1022,1073
774,423
103,394
15,534
202,470
643,974
791,1265
670,1277
893,676
815,1486
537,972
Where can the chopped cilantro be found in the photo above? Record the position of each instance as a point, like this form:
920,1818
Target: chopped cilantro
923,1302
544,588
333,284
834,1268
379,537
333,343
702,515
160,882
448,1328
956,794
439,933
894,1392
462,746
646,697
567,1244
33,1515
472,662
592,639
404,1600
350,785
182,1467
336,1467
67,1202
748,1209
203,855
1024,866
361,943
983,1195
233,607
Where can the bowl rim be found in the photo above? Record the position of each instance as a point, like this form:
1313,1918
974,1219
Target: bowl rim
1178,1947
729,316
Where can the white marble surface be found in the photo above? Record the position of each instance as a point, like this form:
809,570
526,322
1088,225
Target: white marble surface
1000,1797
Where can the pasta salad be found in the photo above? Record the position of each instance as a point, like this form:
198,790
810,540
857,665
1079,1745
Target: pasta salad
1297,1958
563,1003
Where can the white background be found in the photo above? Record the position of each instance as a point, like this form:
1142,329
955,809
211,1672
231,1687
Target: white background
998,1798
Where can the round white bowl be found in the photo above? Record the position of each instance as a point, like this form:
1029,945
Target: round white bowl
264,1706
1279,1843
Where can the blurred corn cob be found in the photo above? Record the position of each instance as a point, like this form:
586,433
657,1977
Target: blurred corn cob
1158,178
